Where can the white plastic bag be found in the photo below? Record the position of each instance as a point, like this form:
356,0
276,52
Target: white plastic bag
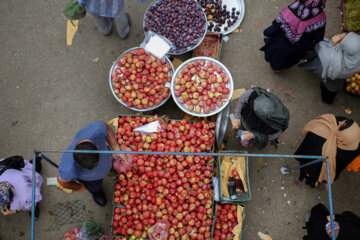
121,165
156,44
149,128
159,231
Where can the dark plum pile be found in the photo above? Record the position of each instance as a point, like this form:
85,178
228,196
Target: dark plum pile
180,21
218,15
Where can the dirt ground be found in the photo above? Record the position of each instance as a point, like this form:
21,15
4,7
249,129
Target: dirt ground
50,90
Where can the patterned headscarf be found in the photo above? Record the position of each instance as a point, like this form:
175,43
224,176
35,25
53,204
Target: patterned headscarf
6,194
301,16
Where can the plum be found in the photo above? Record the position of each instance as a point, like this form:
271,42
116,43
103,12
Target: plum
181,21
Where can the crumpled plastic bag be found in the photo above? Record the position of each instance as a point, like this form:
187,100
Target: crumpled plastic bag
237,229
263,236
106,237
157,45
72,234
90,230
225,169
121,165
74,11
149,128
159,231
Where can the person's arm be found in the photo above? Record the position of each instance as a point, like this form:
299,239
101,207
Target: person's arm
236,121
76,186
338,38
241,102
110,138
8,211
271,31
114,145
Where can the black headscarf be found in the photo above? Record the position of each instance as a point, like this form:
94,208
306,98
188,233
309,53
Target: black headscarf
252,120
14,162
262,123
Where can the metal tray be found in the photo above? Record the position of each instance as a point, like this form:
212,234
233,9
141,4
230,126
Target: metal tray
230,84
188,48
221,125
240,6
112,70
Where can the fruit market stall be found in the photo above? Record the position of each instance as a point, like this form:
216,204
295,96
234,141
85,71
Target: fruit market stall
140,82
168,181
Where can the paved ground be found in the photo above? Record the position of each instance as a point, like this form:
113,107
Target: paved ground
50,90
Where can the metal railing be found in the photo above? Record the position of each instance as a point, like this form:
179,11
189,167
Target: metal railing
317,159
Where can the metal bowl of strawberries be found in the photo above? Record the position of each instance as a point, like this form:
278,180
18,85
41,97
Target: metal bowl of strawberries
140,81
202,86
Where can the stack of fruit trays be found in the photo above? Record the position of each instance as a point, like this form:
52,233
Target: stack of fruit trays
175,188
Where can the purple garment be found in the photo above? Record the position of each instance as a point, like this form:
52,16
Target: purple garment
301,16
22,183
241,102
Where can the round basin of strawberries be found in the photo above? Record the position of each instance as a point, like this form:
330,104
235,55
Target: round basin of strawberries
202,86
139,81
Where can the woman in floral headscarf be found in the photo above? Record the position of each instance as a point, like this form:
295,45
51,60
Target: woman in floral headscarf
296,30
16,185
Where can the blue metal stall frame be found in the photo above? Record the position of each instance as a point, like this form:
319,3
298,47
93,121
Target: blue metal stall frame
317,159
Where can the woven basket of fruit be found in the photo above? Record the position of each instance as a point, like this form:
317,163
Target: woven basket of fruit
352,86
202,86
182,22
139,81
350,15
223,16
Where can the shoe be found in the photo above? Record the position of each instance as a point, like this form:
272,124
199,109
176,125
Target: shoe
99,198
129,23
37,212
38,165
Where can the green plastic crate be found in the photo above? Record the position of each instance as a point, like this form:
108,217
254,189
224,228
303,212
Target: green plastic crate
245,196
214,220
112,220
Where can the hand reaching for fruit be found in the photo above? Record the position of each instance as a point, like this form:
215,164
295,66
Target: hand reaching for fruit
247,136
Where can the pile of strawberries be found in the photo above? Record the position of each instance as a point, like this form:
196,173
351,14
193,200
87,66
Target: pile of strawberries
226,220
174,188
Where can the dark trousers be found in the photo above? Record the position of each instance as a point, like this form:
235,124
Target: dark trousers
93,186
